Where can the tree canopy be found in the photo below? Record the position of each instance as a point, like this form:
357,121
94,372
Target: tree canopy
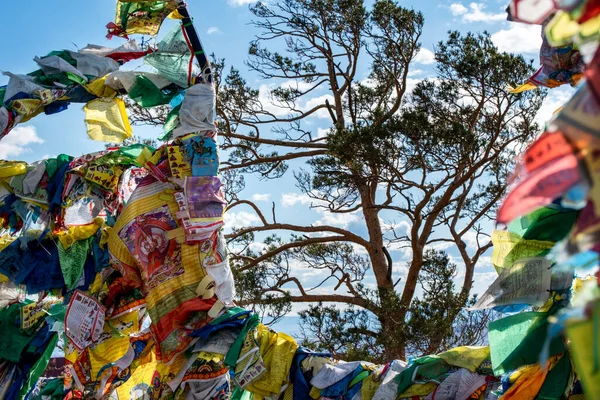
434,156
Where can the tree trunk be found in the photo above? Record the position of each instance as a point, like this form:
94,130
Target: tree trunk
468,281
390,315
379,261
392,325
411,279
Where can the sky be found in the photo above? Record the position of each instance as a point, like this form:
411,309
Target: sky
35,28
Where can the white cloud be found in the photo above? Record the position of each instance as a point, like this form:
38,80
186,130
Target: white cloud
240,219
213,30
339,220
399,227
304,272
475,13
237,3
321,132
291,199
400,267
261,196
315,101
402,249
297,84
269,104
358,249
327,217
556,98
470,238
518,38
411,83
458,9
424,56
440,246
17,141
484,262
280,109
368,82
482,280
414,72
257,246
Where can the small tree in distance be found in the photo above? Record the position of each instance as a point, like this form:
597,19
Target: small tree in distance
435,158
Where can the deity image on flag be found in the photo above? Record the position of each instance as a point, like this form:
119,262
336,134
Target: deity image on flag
146,238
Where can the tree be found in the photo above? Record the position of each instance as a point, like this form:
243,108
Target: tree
437,320
429,326
435,158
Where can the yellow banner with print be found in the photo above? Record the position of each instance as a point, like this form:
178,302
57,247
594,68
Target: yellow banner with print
107,120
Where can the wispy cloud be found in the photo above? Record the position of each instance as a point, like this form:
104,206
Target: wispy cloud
240,219
237,3
278,108
297,84
316,101
291,199
261,196
213,30
556,98
327,218
475,13
322,132
415,72
339,220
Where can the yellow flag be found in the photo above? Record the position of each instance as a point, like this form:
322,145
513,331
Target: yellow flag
175,15
522,88
113,343
469,357
528,380
107,120
77,233
585,355
371,384
98,88
12,168
589,30
141,380
418,389
5,241
509,247
277,351
561,29
27,108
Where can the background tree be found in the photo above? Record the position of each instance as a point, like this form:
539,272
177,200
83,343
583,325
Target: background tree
135,140
435,158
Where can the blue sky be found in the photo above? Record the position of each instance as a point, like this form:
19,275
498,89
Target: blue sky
38,27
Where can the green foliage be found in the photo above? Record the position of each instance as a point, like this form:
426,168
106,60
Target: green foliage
251,286
436,156
432,325
349,335
440,130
